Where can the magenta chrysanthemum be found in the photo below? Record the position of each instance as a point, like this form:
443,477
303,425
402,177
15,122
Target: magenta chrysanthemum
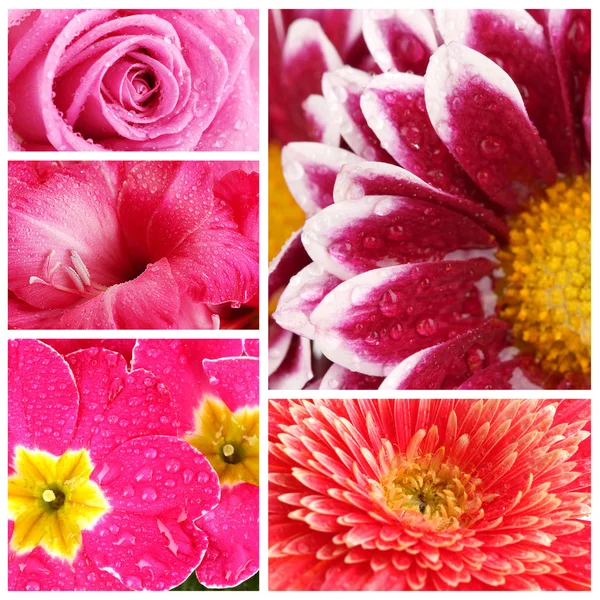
442,164
429,494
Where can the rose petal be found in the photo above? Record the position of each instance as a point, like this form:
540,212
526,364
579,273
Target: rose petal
518,374
378,179
479,114
178,364
232,530
295,370
449,364
514,41
42,398
339,378
349,238
320,125
235,379
342,90
301,296
373,321
399,39
310,170
394,106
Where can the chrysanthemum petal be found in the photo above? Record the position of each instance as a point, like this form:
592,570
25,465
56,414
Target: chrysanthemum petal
379,179
449,364
342,90
340,378
518,374
321,126
295,370
310,170
291,259
375,320
478,112
348,238
517,43
399,39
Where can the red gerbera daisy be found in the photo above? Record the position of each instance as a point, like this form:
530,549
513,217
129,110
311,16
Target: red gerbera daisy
429,494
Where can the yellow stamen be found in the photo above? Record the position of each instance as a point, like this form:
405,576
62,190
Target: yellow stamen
546,292
285,216
51,501
229,440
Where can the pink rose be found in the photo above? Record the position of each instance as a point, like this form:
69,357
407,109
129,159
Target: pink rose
133,80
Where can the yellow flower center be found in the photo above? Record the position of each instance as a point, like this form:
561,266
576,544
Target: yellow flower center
546,291
285,216
229,440
439,491
51,501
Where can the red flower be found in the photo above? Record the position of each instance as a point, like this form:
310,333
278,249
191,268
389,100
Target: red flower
429,494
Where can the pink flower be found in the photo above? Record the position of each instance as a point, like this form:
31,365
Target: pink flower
429,495
451,246
216,385
103,495
149,245
133,80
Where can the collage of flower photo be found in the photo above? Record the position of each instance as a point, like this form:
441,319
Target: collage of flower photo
391,269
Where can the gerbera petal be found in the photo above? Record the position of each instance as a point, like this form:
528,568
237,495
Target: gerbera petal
518,374
478,112
399,39
178,364
42,399
320,125
301,296
349,238
517,43
310,170
342,90
394,106
340,378
295,370
235,379
449,364
373,321
291,258
232,530
379,179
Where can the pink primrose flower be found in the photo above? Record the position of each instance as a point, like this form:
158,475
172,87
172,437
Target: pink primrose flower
102,493
133,80
215,383
147,245
444,174
429,495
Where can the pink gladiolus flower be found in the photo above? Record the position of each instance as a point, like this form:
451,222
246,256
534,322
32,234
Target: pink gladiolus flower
429,495
102,493
216,385
148,245
447,240
133,80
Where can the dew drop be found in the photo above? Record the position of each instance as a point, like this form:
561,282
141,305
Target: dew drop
426,327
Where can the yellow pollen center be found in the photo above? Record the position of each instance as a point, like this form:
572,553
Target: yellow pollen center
440,492
546,291
229,440
51,501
